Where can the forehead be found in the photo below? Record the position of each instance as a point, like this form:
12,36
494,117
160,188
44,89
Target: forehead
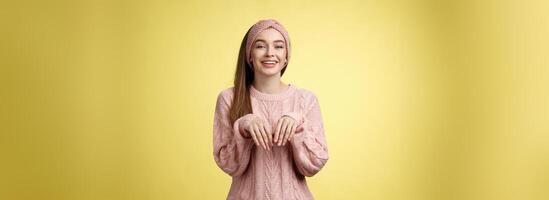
270,35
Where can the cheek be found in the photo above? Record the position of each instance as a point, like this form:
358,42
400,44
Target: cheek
255,54
283,53
282,56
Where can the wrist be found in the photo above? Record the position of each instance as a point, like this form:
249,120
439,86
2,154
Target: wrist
244,123
295,116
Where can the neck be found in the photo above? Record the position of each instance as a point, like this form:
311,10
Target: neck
269,85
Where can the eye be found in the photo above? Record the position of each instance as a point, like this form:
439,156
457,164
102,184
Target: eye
259,46
280,47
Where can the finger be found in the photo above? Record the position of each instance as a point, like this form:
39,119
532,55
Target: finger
260,138
292,132
254,137
269,135
287,133
265,136
277,132
282,129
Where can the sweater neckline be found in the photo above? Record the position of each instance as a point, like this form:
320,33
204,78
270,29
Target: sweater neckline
272,97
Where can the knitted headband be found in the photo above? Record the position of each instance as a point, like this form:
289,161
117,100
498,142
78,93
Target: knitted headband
260,26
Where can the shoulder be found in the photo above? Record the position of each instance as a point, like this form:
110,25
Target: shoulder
225,95
226,92
306,94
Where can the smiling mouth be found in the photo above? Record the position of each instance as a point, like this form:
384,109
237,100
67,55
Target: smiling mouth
269,63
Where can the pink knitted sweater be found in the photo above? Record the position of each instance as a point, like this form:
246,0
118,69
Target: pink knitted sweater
280,173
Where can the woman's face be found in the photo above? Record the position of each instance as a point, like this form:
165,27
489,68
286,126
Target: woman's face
268,54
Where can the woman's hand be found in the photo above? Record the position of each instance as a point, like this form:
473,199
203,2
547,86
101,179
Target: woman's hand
285,130
261,135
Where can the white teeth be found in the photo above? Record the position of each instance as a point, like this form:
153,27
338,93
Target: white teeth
269,62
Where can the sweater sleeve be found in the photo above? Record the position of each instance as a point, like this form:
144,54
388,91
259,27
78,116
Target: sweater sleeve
231,148
310,150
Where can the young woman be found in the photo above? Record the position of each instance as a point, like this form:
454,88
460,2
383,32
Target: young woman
267,135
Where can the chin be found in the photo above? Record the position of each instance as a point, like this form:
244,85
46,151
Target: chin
270,71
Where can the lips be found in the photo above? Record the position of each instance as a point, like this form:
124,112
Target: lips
269,63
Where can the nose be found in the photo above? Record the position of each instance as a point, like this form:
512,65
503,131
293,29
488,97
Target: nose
269,52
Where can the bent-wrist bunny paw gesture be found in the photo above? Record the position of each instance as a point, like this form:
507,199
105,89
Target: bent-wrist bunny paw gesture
285,130
260,134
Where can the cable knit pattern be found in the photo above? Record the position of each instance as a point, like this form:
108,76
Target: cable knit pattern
278,174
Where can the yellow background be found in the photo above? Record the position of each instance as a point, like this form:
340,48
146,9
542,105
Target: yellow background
420,99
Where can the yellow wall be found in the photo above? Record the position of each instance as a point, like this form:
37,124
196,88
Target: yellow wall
421,99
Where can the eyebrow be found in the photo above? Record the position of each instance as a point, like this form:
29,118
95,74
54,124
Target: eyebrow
260,40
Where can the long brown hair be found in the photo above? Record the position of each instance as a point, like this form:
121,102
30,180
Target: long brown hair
243,79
